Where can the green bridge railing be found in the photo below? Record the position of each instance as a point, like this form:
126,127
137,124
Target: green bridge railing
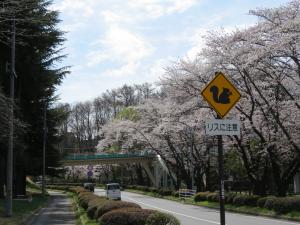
108,156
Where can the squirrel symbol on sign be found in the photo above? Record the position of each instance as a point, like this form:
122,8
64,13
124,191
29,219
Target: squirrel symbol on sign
224,96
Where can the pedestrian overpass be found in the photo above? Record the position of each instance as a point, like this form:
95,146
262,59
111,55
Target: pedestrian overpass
152,163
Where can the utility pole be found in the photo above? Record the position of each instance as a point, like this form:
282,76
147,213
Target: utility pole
44,149
9,175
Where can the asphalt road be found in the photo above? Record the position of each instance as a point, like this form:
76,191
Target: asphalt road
57,212
195,215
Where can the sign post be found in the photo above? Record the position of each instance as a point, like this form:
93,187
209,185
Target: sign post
221,179
221,95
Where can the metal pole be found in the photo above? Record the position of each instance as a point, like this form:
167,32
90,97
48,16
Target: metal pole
191,155
9,175
44,149
121,176
221,178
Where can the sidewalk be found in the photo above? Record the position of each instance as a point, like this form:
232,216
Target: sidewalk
57,212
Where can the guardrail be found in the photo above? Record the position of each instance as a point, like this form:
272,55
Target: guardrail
186,193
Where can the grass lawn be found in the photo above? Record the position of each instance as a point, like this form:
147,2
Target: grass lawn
294,215
21,209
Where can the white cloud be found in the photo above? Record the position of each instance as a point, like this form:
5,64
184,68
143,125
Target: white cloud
197,42
120,45
157,8
125,70
76,8
112,17
157,69
72,27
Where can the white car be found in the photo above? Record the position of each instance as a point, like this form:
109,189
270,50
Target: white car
113,191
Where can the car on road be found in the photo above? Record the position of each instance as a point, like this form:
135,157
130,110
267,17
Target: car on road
89,186
113,191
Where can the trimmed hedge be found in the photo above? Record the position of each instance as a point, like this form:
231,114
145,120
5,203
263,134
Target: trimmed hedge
161,191
126,216
279,205
284,205
261,203
113,205
249,200
269,202
65,184
213,197
158,218
93,205
109,212
201,196
229,198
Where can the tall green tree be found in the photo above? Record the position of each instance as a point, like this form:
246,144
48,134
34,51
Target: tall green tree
38,50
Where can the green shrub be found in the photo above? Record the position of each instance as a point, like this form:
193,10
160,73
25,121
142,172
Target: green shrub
269,203
112,205
94,204
85,198
164,192
158,218
175,193
78,190
201,196
248,200
229,198
262,201
153,189
126,216
213,197
281,205
285,205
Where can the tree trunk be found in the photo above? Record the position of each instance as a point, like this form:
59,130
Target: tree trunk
282,188
199,180
139,174
259,188
187,179
2,176
19,175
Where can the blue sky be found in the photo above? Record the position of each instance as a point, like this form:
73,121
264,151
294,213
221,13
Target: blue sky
113,42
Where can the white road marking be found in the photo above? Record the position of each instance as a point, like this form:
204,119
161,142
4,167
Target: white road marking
191,217
210,221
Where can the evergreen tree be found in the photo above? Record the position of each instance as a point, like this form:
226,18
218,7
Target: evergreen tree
38,49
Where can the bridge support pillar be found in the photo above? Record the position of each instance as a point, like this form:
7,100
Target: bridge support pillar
148,171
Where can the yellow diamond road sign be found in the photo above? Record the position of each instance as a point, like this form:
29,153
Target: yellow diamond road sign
221,94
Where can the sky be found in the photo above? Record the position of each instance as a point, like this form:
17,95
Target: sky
110,43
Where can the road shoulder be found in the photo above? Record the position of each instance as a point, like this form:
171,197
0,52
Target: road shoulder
57,211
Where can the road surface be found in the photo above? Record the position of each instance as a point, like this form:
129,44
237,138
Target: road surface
195,215
57,212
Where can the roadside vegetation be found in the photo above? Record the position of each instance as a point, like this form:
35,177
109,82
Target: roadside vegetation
271,206
24,207
92,209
